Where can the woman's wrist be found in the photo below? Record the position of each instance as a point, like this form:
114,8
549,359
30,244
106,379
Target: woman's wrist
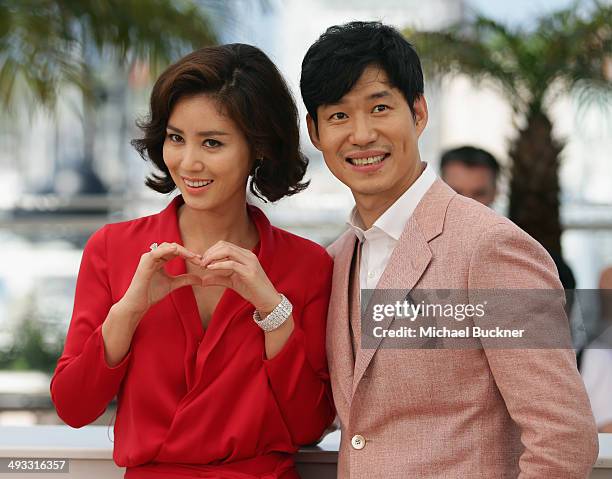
267,305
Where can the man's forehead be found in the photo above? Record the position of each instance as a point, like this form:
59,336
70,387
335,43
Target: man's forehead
372,84
372,74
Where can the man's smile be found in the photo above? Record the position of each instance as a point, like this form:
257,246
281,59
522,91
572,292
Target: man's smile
366,161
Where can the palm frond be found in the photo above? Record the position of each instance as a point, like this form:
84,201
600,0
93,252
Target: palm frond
46,43
481,49
570,49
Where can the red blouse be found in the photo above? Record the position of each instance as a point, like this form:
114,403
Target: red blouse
196,403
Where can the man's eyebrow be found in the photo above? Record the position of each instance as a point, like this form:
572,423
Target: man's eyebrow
372,96
199,133
379,94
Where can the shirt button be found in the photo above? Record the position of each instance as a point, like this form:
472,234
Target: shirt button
358,441
371,274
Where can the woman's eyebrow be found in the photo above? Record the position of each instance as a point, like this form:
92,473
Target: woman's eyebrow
199,133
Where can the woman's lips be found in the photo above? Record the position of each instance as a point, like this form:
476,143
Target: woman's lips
196,185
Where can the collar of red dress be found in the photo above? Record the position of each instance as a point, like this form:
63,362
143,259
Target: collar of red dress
169,229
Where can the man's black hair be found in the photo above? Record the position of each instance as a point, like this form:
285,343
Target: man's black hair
470,156
335,62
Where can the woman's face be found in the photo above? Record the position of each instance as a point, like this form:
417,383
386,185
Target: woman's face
207,155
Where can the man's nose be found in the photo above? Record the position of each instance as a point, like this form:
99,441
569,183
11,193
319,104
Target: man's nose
362,133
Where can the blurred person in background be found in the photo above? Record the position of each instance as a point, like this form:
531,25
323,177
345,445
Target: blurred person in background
206,322
473,172
596,367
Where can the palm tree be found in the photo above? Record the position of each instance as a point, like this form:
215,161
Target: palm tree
48,45
566,52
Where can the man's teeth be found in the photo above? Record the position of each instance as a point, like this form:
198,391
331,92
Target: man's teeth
372,160
197,184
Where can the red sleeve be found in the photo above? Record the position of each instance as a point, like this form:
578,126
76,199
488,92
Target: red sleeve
298,374
83,384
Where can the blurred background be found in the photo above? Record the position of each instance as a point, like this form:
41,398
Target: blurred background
528,81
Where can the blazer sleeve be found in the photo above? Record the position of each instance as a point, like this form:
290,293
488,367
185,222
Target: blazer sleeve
542,388
83,384
298,374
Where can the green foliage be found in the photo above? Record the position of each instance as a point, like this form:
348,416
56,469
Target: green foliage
35,347
44,44
570,49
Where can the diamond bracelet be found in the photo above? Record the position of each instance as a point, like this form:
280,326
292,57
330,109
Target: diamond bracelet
277,317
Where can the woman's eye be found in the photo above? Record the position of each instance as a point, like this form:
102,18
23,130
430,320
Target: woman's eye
174,138
338,116
210,143
379,108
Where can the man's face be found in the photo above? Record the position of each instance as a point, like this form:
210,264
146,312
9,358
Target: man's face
476,182
369,138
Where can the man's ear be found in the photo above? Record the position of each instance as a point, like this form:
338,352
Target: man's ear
419,109
313,132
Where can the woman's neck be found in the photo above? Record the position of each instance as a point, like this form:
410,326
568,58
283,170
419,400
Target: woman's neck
202,229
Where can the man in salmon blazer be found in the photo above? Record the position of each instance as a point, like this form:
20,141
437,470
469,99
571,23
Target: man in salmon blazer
429,413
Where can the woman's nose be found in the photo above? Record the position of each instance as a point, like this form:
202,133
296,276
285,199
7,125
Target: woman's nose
192,158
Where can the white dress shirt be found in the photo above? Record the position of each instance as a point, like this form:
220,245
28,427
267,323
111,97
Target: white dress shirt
378,242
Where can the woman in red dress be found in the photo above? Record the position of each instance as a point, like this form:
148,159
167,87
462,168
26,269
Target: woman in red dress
205,321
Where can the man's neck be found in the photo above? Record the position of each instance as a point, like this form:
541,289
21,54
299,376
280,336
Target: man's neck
371,207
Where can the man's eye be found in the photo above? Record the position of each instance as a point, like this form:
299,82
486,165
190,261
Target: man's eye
338,116
379,108
210,143
174,138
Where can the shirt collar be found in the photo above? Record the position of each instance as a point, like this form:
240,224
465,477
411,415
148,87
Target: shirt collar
393,221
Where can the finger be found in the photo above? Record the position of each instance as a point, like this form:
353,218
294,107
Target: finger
228,265
184,280
184,252
167,251
223,250
164,252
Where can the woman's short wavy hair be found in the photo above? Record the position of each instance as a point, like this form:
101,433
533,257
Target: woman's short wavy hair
252,92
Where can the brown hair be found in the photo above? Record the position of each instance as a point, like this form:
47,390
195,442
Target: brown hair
252,92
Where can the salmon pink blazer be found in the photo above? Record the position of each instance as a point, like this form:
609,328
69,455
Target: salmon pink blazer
195,402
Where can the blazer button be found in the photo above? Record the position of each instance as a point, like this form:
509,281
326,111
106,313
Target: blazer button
358,441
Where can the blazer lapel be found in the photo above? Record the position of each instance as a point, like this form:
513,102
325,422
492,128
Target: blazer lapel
407,264
408,261
339,346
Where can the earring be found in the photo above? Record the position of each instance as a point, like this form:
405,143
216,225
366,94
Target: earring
256,165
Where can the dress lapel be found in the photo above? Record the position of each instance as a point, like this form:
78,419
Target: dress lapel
184,301
231,303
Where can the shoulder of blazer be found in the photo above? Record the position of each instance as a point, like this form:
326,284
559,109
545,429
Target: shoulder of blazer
473,217
343,241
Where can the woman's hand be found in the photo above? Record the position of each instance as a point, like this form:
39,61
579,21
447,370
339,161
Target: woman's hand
151,283
239,269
